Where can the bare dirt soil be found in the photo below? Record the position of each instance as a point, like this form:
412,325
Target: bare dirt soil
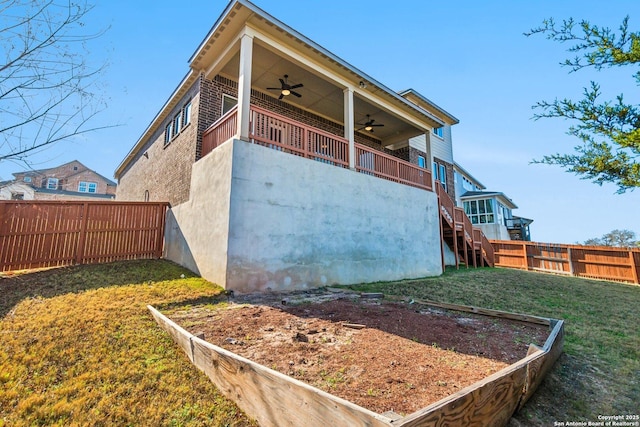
381,355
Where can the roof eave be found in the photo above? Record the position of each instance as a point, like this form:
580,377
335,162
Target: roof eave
454,120
360,75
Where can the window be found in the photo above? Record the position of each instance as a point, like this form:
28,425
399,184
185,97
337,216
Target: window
52,183
186,114
480,211
440,174
27,179
439,132
228,102
421,161
177,122
87,187
167,134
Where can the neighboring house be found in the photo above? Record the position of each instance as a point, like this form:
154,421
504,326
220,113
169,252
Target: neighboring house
70,181
271,152
491,211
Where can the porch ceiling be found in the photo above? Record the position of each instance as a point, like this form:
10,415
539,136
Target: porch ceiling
319,95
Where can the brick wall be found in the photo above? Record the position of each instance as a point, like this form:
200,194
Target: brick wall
451,188
164,171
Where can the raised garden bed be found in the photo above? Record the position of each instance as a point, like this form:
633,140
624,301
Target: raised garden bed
308,359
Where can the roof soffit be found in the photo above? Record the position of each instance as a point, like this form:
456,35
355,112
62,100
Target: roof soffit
243,17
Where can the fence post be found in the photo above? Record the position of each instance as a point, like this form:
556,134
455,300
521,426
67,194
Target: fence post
634,267
570,256
163,210
3,227
525,260
83,233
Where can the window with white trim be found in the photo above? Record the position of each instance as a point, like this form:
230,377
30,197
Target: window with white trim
52,183
440,174
27,179
443,176
186,114
480,211
177,122
421,161
438,132
167,133
87,187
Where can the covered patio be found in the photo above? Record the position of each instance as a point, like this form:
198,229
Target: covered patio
323,109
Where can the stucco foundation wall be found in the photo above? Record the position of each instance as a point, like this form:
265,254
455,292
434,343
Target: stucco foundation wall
259,219
197,231
296,223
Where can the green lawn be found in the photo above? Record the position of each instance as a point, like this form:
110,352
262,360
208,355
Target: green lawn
599,373
78,346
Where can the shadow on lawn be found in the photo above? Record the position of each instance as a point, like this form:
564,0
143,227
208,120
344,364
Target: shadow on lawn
64,280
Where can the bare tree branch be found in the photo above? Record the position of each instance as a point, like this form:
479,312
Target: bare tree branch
49,92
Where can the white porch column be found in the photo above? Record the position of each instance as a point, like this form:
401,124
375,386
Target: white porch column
244,85
348,126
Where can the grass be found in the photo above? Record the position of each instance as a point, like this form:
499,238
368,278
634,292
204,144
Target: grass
599,372
78,347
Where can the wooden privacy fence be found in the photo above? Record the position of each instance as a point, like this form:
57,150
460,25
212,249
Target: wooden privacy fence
597,262
35,234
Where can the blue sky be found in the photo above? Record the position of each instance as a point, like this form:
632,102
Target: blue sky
469,57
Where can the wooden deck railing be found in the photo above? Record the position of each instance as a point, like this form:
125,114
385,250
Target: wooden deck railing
487,250
476,243
283,134
447,206
220,131
598,262
382,165
35,234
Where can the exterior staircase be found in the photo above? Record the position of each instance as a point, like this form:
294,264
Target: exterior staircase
469,244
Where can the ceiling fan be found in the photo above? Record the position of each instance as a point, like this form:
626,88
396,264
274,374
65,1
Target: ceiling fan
286,89
369,124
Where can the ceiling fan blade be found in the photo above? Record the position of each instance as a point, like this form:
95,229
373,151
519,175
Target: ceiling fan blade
296,94
282,82
273,88
296,86
281,96
378,125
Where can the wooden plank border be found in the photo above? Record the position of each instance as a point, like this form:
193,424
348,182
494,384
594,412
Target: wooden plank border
270,397
275,399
